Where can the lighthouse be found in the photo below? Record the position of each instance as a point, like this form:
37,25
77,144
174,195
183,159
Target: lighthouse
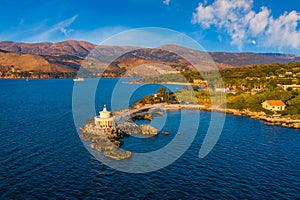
104,119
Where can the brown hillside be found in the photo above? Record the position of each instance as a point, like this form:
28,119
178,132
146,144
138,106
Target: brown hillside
27,62
107,53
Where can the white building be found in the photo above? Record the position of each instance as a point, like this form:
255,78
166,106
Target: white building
221,89
285,87
104,120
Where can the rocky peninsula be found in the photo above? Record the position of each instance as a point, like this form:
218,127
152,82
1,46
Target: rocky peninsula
108,140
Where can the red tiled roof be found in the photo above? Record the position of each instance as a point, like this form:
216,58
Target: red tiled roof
275,103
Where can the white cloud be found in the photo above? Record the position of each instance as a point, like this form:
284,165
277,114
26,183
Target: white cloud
64,31
166,2
283,31
238,19
258,22
48,33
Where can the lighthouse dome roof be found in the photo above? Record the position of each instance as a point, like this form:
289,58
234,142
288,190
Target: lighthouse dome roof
104,113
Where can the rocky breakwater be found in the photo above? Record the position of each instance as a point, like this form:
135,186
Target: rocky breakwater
148,114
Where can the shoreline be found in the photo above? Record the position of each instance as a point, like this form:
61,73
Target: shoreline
58,78
269,120
160,83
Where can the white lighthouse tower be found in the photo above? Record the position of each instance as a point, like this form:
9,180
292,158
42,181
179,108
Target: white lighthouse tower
104,119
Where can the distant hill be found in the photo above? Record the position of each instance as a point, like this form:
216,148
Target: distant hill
70,55
28,62
243,59
69,47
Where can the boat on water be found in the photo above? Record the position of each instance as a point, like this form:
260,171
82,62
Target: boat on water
78,79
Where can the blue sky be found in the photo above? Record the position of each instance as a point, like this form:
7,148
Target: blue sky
218,25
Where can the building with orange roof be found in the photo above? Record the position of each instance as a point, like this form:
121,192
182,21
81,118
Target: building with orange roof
274,105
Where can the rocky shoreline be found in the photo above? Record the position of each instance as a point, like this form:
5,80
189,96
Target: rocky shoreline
270,120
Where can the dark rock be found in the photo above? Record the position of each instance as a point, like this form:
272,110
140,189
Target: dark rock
166,132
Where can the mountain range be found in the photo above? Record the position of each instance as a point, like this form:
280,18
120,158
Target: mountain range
68,56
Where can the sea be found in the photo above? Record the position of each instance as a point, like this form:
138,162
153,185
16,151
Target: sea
42,156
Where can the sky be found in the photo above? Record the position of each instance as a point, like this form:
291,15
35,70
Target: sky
217,25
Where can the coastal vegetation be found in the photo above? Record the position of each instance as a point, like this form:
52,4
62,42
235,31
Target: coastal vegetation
246,88
249,86
261,76
162,96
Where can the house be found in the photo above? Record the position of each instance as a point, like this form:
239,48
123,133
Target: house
274,105
285,87
222,89
288,74
254,91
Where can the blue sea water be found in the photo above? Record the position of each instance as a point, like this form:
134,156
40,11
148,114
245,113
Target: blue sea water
41,155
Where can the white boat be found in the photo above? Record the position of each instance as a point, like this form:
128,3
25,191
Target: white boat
78,79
